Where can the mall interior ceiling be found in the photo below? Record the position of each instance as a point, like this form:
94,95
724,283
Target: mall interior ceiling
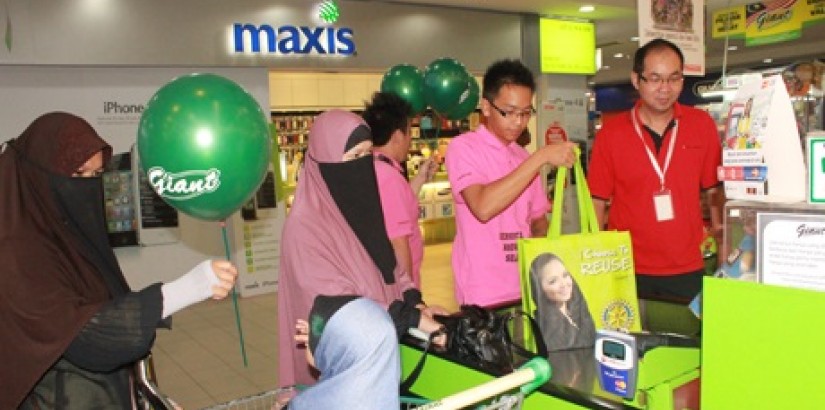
616,24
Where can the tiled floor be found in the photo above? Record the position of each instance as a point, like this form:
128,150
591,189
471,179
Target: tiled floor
199,363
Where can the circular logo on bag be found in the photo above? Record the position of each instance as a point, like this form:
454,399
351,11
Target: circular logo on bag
618,315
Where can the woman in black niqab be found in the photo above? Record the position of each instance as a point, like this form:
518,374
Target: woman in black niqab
70,327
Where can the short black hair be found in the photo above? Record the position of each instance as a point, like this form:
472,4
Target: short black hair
656,44
384,114
506,72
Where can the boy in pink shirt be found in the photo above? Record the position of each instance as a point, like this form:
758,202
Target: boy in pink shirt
497,188
388,116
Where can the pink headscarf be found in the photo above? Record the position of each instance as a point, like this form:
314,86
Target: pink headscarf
320,252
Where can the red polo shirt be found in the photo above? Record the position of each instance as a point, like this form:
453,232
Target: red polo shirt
620,171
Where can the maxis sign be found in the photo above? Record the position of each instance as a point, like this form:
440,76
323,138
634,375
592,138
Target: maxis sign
292,40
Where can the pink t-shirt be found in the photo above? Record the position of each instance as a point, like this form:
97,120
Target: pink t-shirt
485,258
400,206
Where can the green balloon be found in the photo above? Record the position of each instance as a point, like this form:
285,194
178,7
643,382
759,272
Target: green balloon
467,103
204,145
445,80
407,81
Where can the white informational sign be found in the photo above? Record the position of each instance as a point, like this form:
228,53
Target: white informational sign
791,250
563,112
679,21
112,100
261,251
551,114
762,155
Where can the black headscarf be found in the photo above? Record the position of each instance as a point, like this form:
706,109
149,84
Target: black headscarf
354,188
57,266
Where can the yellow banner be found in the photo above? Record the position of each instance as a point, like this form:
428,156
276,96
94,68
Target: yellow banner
729,21
767,22
812,10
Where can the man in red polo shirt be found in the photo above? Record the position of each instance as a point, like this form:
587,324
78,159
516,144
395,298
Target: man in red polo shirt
648,170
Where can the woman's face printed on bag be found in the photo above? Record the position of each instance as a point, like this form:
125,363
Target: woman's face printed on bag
556,282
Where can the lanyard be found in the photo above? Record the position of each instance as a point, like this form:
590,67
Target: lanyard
383,158
653,161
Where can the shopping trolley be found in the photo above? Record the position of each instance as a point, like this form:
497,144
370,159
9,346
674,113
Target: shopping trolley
509,392
263,401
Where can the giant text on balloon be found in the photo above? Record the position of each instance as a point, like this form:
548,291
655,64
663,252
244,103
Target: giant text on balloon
184,185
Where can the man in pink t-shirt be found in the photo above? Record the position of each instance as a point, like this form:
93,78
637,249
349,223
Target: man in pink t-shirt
497,188
388,116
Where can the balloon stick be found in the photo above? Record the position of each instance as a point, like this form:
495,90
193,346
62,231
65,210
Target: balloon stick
433,143
234,296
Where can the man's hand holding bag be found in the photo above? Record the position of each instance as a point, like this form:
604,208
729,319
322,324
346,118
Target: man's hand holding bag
577,283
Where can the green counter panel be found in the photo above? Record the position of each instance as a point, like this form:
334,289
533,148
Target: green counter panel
762,346
668,379
442,378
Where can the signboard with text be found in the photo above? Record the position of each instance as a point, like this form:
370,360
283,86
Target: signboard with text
767,22
575,55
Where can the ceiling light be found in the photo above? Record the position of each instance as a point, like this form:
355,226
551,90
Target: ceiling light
733,48
618,55
587,8
605,67
767,60
634,39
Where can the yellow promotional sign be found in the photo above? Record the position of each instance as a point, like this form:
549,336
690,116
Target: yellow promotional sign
767,22
729,21
812,11
575,55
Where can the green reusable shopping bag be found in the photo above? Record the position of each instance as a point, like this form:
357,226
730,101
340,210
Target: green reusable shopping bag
603,291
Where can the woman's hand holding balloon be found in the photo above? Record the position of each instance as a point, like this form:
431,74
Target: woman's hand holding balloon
226,274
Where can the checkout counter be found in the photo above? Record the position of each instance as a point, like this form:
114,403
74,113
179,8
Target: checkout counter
761,344
668,378
761,349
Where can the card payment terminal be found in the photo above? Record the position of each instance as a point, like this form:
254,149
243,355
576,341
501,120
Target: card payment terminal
617,362
617,356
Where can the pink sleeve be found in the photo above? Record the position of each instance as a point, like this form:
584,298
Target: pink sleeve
394,197
461,167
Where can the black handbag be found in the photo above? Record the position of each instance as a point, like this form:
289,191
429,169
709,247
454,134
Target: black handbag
481,337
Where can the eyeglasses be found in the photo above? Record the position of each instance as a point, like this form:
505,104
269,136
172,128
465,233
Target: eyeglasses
657,81
522,114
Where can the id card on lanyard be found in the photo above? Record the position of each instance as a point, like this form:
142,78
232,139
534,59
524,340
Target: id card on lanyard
662,200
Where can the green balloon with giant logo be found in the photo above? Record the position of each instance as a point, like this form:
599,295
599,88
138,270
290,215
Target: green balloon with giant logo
445,81
467,102
204,145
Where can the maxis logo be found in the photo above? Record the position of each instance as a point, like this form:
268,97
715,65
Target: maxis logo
293,40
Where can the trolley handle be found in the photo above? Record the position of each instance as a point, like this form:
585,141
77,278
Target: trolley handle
529,376
541,374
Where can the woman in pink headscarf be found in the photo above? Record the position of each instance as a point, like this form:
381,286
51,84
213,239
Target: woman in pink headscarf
334,241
